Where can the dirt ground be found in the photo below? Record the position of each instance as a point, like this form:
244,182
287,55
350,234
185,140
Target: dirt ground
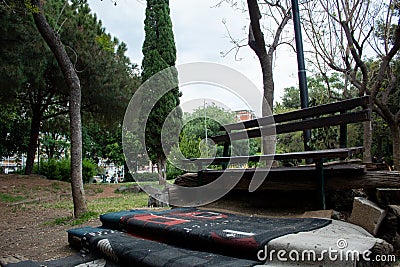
25,231
24,225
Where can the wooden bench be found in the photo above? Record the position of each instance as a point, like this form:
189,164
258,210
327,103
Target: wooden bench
334,114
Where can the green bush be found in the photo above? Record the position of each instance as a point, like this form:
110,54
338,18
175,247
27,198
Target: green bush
61,169
173,172
89,169
52,169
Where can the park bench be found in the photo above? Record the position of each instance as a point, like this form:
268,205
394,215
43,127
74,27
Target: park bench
334,114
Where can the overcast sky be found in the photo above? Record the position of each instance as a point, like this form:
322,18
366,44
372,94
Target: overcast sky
200,35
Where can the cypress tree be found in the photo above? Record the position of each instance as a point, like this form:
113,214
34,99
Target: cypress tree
159,52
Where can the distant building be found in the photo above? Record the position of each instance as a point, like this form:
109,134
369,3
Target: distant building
245,115
12,164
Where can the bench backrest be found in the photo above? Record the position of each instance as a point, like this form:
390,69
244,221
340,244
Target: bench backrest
338,113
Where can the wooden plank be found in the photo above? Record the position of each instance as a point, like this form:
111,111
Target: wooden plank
317,154
282,173
334,120
340,106
306,180
368,180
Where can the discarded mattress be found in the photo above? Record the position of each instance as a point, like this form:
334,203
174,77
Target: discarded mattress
204,230
185,236
217,232
126,250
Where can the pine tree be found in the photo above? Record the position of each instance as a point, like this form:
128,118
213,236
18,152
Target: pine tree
159,52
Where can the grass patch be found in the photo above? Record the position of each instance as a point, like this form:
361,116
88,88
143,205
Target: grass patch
61,205
10,199
97,207
71,221
98,190
56,186
122,202
93,189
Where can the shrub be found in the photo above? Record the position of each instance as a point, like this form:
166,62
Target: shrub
173,172
52,169
89,169
61,169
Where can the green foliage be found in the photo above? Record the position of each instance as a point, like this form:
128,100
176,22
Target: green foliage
159,52
30,74
323,138
194,130
105,42
173,172
102,142
55,170
61,169
318,92
29,6
14,132
192,137
89,169
382,145
189,145
69,220
54,137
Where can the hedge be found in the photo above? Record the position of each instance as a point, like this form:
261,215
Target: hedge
61,169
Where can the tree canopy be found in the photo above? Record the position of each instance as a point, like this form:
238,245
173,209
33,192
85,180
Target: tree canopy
31,79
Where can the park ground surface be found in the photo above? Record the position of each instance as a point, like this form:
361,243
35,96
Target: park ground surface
36,213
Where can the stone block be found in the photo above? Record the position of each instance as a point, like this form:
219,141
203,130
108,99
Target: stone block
134,189
367,214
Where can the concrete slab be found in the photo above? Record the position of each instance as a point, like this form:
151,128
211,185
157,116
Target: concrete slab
367,214
317,214
338,244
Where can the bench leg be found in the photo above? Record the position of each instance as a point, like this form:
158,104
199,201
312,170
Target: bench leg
321,181
200,178
226,154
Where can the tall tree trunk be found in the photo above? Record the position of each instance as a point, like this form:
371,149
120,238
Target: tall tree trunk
33,141
268,142
395,130
161,168
257,43
73,82
268,84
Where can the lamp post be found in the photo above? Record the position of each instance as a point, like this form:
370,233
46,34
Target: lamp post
38,155
205,127
301,66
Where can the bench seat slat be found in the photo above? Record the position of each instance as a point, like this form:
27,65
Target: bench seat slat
317,154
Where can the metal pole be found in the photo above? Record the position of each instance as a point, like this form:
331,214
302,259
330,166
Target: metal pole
38,155
205,126
301,66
